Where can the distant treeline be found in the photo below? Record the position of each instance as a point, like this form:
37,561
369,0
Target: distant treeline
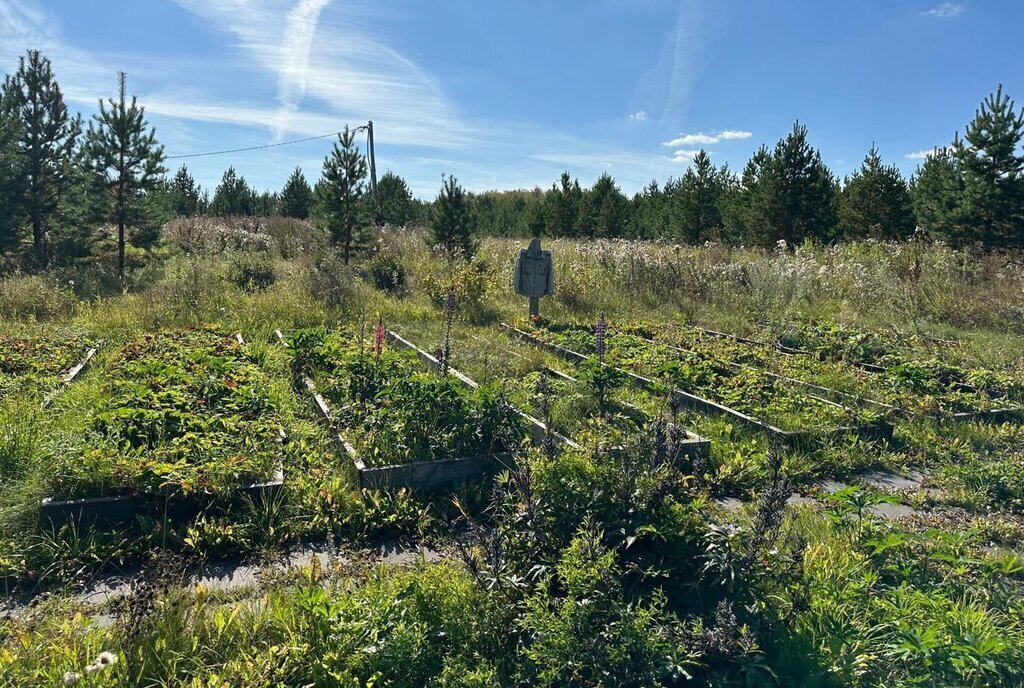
60,183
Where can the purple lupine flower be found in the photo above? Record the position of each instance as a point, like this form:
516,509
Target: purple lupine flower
378,337
600,330
449,302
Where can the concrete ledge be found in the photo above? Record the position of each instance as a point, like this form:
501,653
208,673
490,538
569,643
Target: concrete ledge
881,429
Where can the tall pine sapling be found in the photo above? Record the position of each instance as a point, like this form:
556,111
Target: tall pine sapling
452,223
233,196
875,202
802,194
937,190
394,201
993,168
296,199
340,193
11,182
47,140
123,148
186,193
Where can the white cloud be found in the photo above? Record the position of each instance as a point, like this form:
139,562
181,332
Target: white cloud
692,140
702,139
919,155
300,29
684,156
944,11
296,68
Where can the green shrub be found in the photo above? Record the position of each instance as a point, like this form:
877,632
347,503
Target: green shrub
252,271
35,297
387,273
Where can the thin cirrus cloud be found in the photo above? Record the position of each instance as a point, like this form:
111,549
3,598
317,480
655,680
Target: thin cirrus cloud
302,68
946,10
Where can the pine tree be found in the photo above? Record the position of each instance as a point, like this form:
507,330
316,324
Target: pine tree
233,196
746,206
802,194
697,200
185,194
452,223
265,204
127,155
11,182
394,201
47,142
604,211
875,202
993,171
296,198
647,219
340,193
937,190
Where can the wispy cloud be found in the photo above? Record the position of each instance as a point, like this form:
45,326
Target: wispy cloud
684,156
702,139
944,11
300,28
664,90
919,155
692,140
296,68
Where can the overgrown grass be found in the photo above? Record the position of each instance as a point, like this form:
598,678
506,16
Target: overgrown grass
607,565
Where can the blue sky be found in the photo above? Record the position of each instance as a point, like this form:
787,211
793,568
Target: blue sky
507,95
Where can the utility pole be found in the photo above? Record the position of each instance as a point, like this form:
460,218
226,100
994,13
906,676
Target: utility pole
373,165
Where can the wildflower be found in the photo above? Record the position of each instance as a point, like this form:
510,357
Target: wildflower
378,337
600,329
71,678
102,661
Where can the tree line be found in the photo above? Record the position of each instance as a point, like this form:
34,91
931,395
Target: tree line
971,191
61,180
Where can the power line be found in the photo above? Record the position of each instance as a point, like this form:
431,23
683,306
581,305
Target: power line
252,148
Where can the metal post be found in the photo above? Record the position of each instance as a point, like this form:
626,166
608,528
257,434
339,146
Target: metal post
534,306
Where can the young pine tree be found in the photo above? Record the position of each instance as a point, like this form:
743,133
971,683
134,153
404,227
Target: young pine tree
265,204
123,148
876,203
746,206
993,171
233,196
394,201
452,223
185,194
606,209
697,200
11,182
340,193
296,199
802,194
937,190
47,142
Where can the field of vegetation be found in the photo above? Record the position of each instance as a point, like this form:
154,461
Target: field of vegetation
856,519
767,431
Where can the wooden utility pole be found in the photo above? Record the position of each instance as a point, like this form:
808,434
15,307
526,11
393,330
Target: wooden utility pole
373,162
